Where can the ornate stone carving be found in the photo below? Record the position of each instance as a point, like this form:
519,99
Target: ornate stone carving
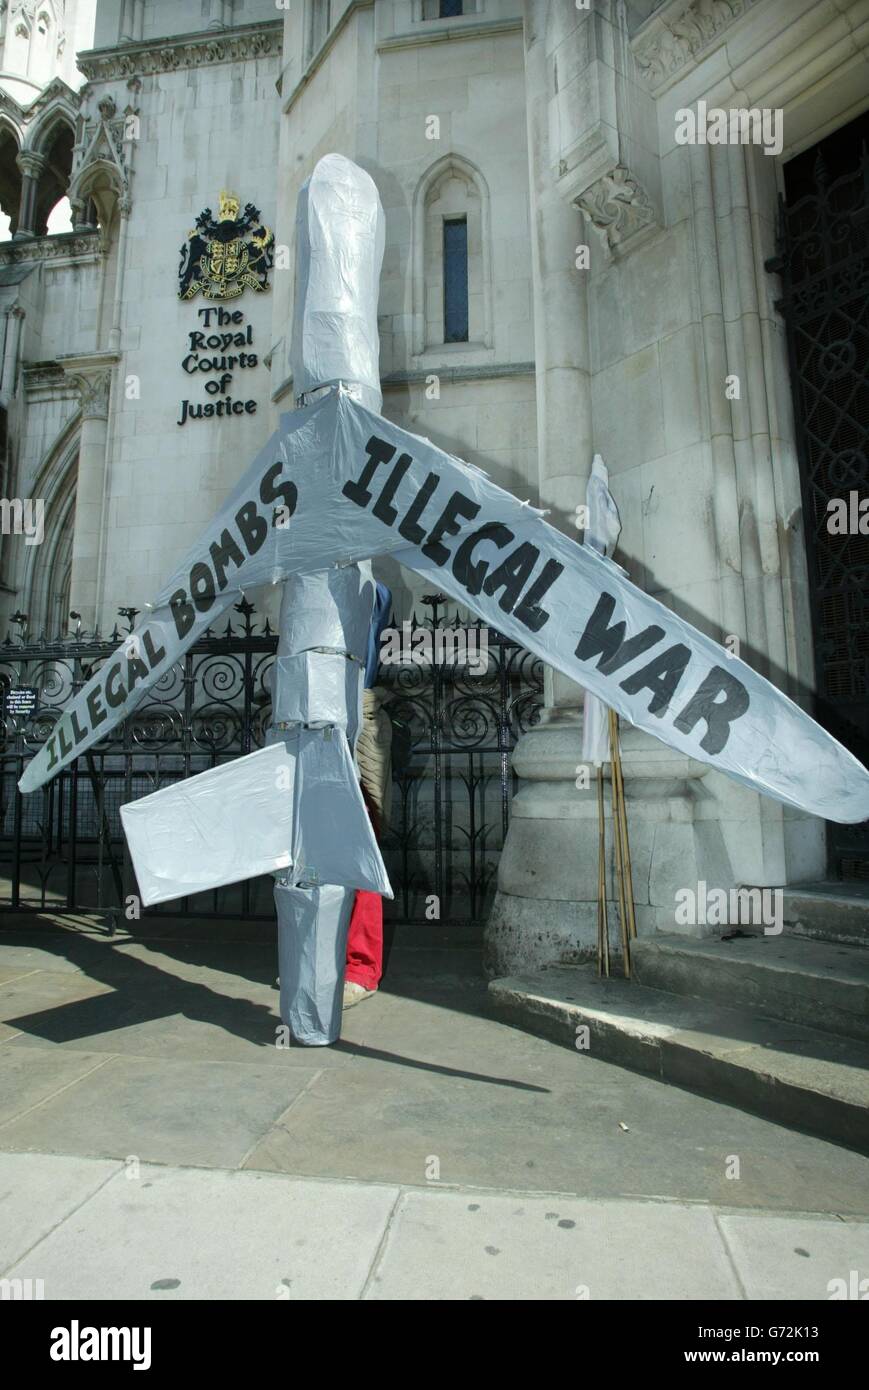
93,389
63,246
30,163
21,15
56,91
618,207
677,34
186,51
45,376
102,141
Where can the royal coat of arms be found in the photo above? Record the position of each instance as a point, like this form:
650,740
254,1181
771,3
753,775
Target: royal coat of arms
221,259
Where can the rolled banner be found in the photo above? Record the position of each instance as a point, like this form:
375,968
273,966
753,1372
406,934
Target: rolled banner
601,533
339,252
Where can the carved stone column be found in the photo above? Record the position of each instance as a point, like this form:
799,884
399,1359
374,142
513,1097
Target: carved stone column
124,207
92,376
524,909
31,166
594,192
14,318
78,208
219,14
131,27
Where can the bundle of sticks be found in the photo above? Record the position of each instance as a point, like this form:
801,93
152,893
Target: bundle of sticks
622,856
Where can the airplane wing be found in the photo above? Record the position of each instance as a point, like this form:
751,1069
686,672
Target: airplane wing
350,485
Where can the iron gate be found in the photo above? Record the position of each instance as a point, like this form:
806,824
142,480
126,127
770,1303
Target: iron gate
823,261
62,848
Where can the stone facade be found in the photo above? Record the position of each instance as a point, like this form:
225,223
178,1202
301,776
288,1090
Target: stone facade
616,283
675,302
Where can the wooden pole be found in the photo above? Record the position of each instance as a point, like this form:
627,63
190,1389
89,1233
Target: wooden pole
626,844
603,943
620,837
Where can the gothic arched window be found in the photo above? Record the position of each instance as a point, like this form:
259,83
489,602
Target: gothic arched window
54,178
452,276
10,183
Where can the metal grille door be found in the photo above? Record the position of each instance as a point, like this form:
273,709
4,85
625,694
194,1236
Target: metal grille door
824,264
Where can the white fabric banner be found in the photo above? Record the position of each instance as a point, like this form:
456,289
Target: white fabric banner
602,531
337,483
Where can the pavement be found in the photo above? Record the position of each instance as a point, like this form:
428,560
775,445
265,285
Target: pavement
157,1142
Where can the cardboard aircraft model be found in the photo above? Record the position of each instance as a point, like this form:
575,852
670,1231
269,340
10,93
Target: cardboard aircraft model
334,486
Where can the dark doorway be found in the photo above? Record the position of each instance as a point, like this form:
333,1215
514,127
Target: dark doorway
824,264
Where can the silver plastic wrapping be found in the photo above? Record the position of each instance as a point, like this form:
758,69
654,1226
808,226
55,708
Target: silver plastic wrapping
333,841
317,688
293,808
601,533
339,252
318,678
323,637
331,608
365,487
225,825
312,949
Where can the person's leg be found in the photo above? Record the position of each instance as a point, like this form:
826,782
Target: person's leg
365,937
365,941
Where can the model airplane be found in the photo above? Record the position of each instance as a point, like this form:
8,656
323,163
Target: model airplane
334,486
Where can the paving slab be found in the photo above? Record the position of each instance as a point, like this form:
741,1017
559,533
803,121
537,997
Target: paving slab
200,1000
31,993
489,1246
35,947
175,1018
27,1081
422,1070
798,1257
499,1107
97,1230
10,972
37,1192
208,1113
176,1234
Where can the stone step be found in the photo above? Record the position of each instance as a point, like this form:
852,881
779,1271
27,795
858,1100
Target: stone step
814,983
793,1075
828,912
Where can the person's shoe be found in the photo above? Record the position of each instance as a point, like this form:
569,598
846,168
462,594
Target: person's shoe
354,994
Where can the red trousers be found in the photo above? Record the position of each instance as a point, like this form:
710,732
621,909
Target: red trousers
365,935
365,940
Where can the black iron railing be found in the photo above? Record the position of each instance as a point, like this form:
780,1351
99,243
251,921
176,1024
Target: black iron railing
62,848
